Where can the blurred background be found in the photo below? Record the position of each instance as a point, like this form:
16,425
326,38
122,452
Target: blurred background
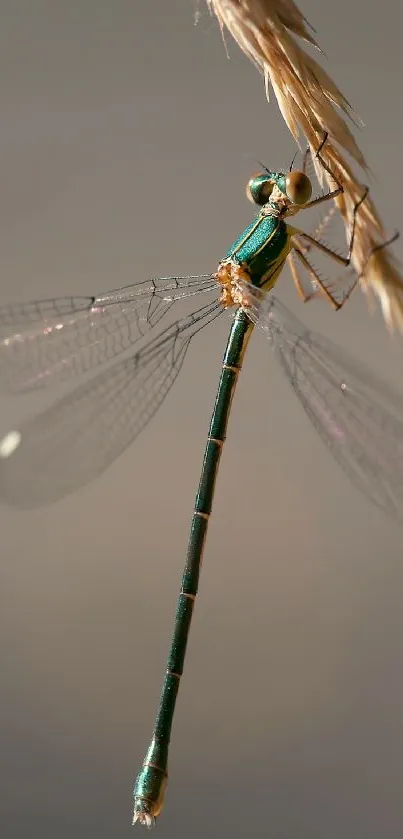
127,137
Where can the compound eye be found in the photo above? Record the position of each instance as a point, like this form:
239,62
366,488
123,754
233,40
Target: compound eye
298,187
259,189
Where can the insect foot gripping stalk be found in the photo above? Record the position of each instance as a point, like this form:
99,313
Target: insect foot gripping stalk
150,785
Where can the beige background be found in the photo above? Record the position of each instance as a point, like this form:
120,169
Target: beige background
126,140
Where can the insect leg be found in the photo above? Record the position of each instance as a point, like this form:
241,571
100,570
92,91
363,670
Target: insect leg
305,247
305,159
316,278
343,260
297,279
335,192
327,292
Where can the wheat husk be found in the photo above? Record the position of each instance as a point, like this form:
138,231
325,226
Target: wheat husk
270,32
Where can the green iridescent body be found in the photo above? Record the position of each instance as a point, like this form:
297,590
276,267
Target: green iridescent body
113,322
150,784
260,251
262,248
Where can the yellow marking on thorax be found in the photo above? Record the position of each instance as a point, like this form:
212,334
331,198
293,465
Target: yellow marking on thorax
266,242
249,234
277,266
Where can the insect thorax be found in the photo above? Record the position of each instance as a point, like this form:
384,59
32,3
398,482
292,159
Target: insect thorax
257,254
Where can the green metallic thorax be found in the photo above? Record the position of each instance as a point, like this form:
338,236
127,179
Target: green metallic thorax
262,248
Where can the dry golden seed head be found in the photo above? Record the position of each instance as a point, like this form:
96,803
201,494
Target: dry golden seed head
311,103
298,187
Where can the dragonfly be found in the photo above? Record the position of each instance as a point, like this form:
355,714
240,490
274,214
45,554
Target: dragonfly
49,342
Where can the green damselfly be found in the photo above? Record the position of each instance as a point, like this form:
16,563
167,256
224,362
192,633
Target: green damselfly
70,443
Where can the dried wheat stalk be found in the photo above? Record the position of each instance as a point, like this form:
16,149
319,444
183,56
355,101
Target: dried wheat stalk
312,104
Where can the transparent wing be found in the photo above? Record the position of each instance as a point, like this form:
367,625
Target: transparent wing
53,340
359,417
73,441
